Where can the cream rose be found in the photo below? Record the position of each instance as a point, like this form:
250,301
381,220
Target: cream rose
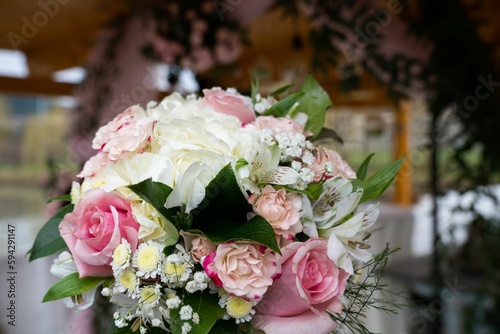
243,269
280,208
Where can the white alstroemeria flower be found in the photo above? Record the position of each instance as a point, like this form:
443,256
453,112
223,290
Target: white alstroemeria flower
306,214
190,188
63,266
346,240
336,202
264,169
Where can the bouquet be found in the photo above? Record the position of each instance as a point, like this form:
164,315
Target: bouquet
216,214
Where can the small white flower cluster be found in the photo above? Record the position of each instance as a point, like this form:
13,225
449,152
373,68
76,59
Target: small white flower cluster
177,268
261,104
143,306
296,151
294,146
185,313
147,278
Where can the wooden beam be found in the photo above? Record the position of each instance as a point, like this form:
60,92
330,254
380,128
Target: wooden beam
403,193
35,86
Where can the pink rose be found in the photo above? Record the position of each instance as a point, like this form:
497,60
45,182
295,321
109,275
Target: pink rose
129,131
197,245
340,166
95,228
310,283
243,269
280,208
282,124
230,104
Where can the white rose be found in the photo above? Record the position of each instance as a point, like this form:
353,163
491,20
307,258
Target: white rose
136,168
171,105
207,137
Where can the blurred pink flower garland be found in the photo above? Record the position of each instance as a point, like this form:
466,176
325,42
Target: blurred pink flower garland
194,35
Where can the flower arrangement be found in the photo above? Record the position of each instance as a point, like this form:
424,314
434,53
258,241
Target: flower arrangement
206,214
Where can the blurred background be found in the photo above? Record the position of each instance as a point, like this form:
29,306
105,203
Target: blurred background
414,77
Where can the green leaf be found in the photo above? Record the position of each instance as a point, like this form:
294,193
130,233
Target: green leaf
229,327
115,330
256,229
71,285
156,193
224,200
326,133
255,86
64,198
363,169
314,103
376,184
241,162
127,330
313,190
280,91
283,107
49,241
357,184
207,307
